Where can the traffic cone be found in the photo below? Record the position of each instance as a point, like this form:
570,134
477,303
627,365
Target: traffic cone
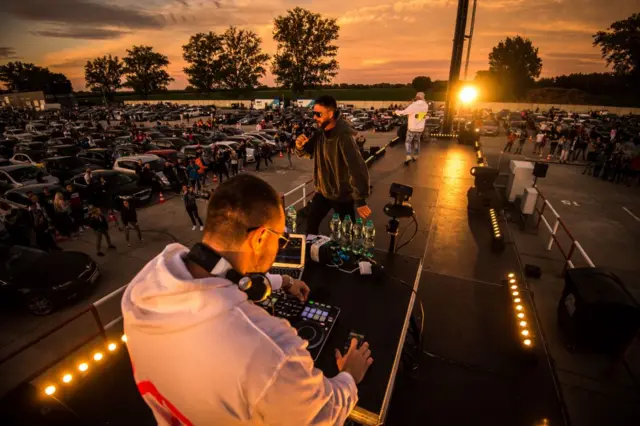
215,179
112,217
281,154
161,198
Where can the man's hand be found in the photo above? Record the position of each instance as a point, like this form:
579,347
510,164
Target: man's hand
364,211
295,288
301,141
356,361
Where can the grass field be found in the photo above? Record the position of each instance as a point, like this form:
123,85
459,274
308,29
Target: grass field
400,95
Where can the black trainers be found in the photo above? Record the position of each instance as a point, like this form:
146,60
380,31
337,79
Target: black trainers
111,246
406,162
100,254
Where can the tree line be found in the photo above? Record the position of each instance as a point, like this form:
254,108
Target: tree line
306,58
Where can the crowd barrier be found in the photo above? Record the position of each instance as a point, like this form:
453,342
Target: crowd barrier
558,223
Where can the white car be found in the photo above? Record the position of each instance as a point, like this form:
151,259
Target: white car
193,112
235,145
24,174
128,165
18,134
38,129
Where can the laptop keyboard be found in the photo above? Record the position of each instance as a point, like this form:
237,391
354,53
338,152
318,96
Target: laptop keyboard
292,272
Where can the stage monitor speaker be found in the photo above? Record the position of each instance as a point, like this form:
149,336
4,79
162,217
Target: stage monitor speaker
595,312
373,150
540,170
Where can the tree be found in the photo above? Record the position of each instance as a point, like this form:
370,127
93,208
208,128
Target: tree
242,59
104,74
620,46
202,53
306,49
25,77
516,63
144,70
421,83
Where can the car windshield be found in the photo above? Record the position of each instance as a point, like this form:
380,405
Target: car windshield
36,156
156,165
19,258
71,163
179,142
24,174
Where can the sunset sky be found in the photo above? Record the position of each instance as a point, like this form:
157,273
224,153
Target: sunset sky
380,41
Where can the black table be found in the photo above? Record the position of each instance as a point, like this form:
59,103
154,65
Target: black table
378,306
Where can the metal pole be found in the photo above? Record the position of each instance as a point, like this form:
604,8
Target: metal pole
456,62
470,37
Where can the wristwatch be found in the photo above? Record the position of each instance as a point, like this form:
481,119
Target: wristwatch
287,282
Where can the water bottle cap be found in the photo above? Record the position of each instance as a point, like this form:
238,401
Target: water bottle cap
336,216
347,216
359,220
369,222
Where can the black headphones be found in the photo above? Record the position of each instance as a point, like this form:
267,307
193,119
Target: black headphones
336,113
257,286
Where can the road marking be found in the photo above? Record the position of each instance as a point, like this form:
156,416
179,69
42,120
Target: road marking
632,215
576,204
566,202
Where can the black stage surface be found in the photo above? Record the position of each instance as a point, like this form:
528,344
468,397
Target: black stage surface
470,371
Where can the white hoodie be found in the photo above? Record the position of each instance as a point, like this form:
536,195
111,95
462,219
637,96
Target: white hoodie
417,113
204,355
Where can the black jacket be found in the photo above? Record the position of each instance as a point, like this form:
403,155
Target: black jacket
128,215
190,201
99,223
339,171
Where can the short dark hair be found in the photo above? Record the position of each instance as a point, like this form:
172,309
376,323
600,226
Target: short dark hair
327,102
242,202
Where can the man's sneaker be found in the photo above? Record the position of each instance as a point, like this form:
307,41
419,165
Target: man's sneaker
407,160
414,158
201,228
100,254
193,228
128,244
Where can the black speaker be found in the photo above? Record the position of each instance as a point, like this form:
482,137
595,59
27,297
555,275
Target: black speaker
484,178
540,169
373,150
596,313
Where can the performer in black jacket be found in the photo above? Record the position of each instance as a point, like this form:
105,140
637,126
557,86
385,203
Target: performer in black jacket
129,218
340,175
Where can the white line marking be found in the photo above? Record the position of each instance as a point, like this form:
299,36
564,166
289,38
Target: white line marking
632,215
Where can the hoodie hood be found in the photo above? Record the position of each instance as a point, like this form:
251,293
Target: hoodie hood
164,297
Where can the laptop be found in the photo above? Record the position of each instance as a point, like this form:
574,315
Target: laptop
290,260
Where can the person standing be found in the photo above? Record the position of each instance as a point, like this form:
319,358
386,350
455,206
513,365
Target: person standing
511,138
417,113
266,154
100,226
257,154
340,175
129,218
42,229
242,155
75,203
233,155
181,173
194,176
537,149
565,145
62,216
191,204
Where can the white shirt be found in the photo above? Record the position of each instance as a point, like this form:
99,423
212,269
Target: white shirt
539,137
417,113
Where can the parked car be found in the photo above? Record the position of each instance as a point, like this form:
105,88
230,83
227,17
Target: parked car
63,150
122,186
66,167
20,196
5,162
18,134
7,147
38,129
128,165
490,128
41,281
101,157
170,143
189,151
24,174
234,145
166,154
382,126
361,124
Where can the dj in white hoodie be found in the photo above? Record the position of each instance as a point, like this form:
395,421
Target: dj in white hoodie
417,113
203,354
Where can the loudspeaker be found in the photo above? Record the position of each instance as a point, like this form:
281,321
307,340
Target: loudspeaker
484,178
540,169
373,150
596,313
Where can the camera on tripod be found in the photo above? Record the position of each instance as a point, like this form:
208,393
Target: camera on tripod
400,206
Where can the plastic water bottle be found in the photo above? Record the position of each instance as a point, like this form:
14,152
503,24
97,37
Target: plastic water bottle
369,239
292,217
347,228
358,240
334,227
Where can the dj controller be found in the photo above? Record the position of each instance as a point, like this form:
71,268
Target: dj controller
314,321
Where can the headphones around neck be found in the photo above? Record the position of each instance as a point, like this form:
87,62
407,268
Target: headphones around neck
257,286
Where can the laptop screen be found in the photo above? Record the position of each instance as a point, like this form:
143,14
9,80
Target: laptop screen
292,254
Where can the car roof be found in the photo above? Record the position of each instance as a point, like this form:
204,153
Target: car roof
35,188
161,151
143,157
15,167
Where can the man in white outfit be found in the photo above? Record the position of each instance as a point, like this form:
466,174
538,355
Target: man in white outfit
417,113
203,354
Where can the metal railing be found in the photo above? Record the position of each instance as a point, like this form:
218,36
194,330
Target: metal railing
306,193
553,230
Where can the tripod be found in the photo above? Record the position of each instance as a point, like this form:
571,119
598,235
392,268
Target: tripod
392,230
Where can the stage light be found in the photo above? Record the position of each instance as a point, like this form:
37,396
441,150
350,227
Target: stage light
514,287
511,275
97,356
67,378
468,94
124,338
512,281
515,293
112,346
520,315
516,300
519,307
50,390
527,342
83,366
525,332
523,323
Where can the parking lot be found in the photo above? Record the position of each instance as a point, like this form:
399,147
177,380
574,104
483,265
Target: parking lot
161,224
